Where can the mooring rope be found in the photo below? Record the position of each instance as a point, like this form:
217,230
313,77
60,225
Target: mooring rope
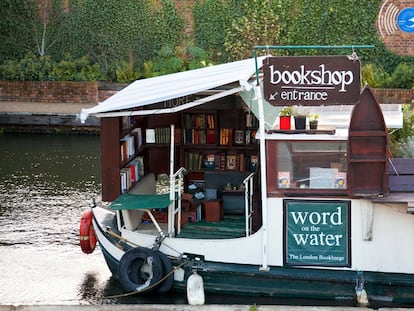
110,232
149,287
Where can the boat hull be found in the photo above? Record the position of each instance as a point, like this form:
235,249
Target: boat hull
279,282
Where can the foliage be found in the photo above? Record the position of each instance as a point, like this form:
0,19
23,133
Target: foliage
30,26
285,111
109,31
43,68
401,140
171,60
211,19
402,77
80,69
374,76
313,117
253,308
30,68
125,72
298,110
124,38
169,25
257,26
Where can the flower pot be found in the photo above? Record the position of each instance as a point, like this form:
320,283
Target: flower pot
284,123
313,125
300,122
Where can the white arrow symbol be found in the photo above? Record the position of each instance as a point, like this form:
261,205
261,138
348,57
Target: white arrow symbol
273,96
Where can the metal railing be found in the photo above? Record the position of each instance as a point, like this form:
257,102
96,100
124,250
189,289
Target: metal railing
248,202
175,206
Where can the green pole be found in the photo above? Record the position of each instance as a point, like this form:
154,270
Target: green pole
309,47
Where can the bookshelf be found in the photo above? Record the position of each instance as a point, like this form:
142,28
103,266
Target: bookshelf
199,128
127,153
218,138
231,145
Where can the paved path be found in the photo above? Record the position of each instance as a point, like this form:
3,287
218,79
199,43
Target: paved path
185,308
48,108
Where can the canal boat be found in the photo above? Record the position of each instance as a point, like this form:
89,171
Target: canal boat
203,192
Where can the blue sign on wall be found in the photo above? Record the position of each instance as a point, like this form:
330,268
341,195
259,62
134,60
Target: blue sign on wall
405,20
317,233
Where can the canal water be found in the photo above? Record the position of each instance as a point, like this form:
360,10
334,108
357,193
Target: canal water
46,182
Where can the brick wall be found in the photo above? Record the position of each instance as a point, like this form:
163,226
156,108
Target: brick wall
394,96
396,40
92,92
49,91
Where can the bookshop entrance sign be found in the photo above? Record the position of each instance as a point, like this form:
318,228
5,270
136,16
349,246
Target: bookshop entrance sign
311,80
317,233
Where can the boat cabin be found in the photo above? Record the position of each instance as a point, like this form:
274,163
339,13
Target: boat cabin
195,138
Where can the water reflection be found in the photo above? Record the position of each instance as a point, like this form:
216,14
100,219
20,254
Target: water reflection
46,182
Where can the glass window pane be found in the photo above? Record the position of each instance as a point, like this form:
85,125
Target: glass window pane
310,165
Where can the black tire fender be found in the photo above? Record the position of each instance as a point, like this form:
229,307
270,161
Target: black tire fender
168,283
139,269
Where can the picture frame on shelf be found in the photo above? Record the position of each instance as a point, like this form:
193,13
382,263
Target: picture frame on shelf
231,162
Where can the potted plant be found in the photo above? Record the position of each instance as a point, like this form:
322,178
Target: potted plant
313,121
300,117
284,118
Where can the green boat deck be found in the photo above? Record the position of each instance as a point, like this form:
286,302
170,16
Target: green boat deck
229,227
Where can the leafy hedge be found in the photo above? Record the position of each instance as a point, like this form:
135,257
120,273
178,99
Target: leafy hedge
124,40
43,68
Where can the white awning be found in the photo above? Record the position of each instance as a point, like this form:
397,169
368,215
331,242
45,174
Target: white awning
158,89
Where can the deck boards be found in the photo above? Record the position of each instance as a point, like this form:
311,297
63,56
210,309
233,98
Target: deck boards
229,227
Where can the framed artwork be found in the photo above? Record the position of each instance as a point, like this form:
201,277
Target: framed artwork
231,162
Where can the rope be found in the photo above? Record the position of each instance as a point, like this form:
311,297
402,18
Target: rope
110,232
149,287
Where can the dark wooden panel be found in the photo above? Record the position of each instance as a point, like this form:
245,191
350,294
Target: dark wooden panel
400,166
367,148
110,148
401,183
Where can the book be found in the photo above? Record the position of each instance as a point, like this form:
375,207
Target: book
211,136
210,121
241,162
283,179
209,162
340,180
238,137
226,136
222,161
231,162
150,136
137,133
247,137
253,162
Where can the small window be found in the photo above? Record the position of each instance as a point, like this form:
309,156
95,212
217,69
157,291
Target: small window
306,165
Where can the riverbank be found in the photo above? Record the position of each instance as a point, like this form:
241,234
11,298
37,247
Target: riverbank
187,308
39,117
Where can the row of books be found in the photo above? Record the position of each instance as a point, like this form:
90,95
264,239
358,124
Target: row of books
199,121
131,143
161,135
221,161
131,173
194,136
127,147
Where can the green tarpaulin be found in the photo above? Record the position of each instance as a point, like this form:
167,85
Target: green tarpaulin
130,201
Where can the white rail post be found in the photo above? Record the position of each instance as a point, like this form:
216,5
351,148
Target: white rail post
171,207
263,181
